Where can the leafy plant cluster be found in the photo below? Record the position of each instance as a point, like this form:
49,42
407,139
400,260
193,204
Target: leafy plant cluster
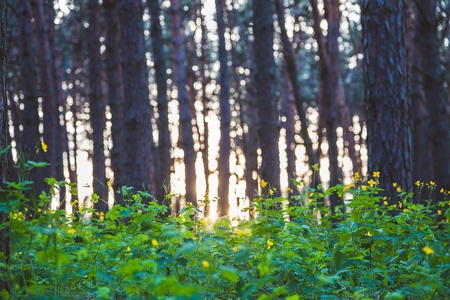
369,251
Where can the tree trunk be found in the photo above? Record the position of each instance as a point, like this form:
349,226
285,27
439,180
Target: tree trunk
432,81
138,130
47,90
265,81
30,120
387,100
164,144
115,93
223,206
186,138
97,107
4,162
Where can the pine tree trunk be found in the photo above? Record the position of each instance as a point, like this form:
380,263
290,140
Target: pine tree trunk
97,107
432,80
138,130
387,100
115,92
186,138
265,82
223,206
4,163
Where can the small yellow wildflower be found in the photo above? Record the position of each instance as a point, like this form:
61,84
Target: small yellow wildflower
155,243
140,211
206,264
271,192
442,191
326,215
394,184
235,249
128,249
432,183
428,250
108,183
376,174
239,232
371,182
368,234
399,189
44,146
385,202
405,210
171,205
418,183
439,212
102,218
263,183
289,190
309,201
269,244
364,188
356,176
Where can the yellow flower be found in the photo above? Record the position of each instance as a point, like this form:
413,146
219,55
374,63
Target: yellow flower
432,183
289,190
371,182
128,249
385,202
155,243
439,212
235,249
171,205
399,189
418,183
206,264
376,174
356,176
44,146
271,192
442,191
269,244
368,234
263,183
108,183
102,218
428,250
394,184
239,232
406,210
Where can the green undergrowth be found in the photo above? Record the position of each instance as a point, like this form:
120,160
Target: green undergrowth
369,251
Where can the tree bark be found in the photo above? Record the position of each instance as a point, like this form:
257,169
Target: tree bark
223,206
186,138
4,162
387,100
115,92
138,130
164,144
265,81
432,81
47,91
97,107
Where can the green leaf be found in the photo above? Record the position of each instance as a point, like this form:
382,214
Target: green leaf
230,274
4,293
186,248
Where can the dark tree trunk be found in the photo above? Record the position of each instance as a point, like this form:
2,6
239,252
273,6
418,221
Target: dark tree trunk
30,120
291,69
115,92
265,81
205,103
96,105
47,92
432,80
138,130
164,144
225,116
387,100
4,162
186,139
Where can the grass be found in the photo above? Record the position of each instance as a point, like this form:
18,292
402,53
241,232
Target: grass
372,251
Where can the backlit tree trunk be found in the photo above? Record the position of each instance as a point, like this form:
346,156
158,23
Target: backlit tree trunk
387,100
164,144
97,107
265,82
137,110
225,115
186,139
